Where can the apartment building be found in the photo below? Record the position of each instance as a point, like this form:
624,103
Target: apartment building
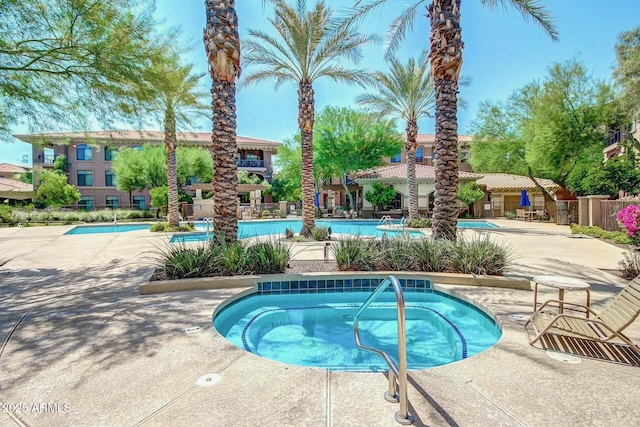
89,156
333,193
613,142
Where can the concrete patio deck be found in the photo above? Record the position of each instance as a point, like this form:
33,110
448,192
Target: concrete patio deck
107,356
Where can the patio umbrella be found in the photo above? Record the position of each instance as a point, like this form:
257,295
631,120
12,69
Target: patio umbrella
524,199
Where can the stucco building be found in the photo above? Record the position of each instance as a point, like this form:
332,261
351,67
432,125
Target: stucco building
89,156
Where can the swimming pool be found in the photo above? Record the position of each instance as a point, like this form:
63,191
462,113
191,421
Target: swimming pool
353,227
107,228
314,326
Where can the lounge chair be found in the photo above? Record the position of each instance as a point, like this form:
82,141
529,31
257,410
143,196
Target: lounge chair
601,327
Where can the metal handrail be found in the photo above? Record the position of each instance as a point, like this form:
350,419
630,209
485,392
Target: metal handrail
208,221
397,373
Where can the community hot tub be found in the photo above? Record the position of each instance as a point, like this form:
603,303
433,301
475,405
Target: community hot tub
310,323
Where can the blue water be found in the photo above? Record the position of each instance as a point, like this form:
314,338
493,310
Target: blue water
476,224
261,228
317,329
109,228
352,227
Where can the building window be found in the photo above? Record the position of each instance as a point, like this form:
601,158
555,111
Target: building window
86,203
139,202
49,156
419,155
464,156
192,180
85,178
113,202
397,158
109,153
84,152
109,179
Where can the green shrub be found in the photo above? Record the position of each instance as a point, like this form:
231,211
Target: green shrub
432,255
630,265
71,216
288,233
181,262
479,256
356,254
218,258
268,257
5,213
164,226
593,231
418,223
320,233
395,255
510,215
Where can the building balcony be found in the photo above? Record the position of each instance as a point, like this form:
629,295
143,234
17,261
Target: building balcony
252,164
44,160
614,138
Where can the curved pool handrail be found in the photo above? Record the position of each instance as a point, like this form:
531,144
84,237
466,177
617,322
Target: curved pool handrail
397,373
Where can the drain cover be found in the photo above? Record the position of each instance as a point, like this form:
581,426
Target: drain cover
516,316
564,357
208,380
192,329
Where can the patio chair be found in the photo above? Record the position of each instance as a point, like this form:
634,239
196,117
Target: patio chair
521,214
600,327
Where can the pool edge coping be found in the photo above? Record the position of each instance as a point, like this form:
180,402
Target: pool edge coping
231,282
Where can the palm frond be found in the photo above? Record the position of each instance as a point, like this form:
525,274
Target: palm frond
306,46
398,29
529,9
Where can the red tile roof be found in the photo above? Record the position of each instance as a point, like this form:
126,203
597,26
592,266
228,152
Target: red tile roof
203,138
399,171
429,138
8,167
513,182
10,185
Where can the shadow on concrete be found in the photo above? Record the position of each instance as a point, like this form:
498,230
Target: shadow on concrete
92,314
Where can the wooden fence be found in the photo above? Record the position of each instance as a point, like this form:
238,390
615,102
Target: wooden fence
609,210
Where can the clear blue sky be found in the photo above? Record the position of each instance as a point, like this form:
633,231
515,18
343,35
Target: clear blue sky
502,53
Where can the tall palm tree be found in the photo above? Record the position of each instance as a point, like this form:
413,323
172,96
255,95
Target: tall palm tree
308,46
170,92
406,92
180,99
446,61
222,45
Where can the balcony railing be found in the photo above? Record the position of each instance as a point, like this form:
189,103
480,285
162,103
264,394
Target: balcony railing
613,138
244,163
44,159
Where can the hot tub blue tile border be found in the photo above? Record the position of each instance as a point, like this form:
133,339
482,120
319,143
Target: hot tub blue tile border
338,285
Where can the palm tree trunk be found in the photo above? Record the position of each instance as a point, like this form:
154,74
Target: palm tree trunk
170,144
410,147
446,62
222,45
306,117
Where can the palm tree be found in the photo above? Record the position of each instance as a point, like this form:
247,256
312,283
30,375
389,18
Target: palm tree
307,47
178,97
222,45
169,92
446,61
406,92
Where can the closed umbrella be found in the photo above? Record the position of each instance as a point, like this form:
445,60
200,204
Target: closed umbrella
524,199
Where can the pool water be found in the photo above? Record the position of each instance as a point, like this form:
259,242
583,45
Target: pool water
109,228
317,329
352,227
262,228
